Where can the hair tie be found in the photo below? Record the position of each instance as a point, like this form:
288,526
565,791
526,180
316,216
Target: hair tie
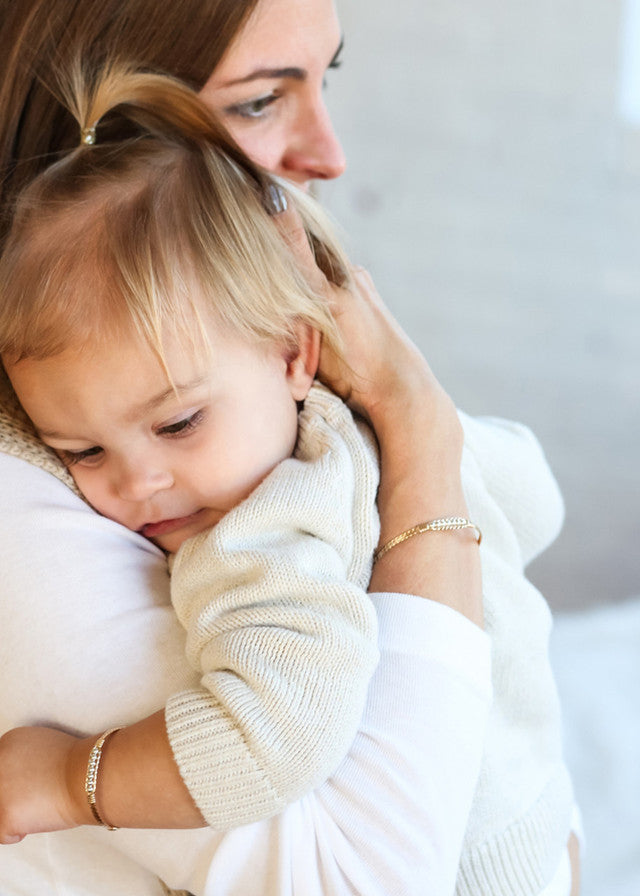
88,136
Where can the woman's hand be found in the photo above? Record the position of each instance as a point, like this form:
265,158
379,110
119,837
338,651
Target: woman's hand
34,783
383,377
379,365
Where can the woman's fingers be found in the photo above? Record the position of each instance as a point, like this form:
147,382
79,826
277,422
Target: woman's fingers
289,224
377,362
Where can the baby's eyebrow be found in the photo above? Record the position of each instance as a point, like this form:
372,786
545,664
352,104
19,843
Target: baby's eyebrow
50,434
146,407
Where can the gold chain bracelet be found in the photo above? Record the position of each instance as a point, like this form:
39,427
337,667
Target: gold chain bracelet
445,524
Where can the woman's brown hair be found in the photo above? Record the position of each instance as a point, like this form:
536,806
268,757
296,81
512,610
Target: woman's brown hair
183,38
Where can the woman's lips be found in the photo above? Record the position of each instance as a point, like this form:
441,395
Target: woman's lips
165,527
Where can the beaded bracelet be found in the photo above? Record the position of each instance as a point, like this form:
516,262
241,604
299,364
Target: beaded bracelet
91,780
440,525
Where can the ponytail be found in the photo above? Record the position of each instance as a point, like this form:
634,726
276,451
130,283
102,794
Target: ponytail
185,38
160,105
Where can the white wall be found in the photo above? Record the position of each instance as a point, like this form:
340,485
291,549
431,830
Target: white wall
494,191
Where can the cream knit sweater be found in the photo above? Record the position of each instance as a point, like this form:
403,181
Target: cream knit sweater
279,625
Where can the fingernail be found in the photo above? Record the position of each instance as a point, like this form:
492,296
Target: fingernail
275,200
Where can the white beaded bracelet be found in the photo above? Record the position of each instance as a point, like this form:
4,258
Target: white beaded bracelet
91,780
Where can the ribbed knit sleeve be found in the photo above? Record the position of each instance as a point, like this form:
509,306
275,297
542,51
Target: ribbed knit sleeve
279,626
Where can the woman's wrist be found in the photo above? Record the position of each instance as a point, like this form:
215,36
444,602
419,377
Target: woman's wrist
421,440
396,393
384,377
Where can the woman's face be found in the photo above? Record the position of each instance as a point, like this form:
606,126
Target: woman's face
268,89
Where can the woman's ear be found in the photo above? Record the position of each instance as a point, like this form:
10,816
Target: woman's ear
302,360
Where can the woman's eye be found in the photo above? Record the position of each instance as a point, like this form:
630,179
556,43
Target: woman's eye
252,108
87,458
335,63
181,427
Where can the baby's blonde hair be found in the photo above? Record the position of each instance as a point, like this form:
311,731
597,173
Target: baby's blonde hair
159,232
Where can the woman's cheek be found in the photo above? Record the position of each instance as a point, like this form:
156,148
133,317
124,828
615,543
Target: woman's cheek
263,146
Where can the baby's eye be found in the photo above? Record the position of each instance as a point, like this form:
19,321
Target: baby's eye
181,427
88,457
254,108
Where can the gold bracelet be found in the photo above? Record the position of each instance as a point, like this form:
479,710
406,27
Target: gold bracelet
441,525
91,780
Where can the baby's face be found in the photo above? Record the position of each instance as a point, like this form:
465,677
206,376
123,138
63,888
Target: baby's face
163,463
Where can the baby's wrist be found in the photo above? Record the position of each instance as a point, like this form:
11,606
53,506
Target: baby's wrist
76,764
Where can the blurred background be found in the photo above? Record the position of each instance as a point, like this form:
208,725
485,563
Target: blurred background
493,190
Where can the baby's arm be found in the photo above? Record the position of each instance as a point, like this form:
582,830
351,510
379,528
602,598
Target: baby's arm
279,626
284,635
42,774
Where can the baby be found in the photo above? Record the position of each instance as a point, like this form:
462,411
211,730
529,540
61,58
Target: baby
161,337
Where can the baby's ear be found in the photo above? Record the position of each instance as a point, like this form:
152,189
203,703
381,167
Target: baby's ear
302,360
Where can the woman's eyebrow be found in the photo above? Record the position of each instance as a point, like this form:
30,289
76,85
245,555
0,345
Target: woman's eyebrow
298,74
293,72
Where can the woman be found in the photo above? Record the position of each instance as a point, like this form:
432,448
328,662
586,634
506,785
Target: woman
106,589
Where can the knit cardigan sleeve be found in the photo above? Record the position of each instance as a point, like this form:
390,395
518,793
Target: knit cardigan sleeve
516,475
279,626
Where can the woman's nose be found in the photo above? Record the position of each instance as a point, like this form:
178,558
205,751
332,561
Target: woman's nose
317,153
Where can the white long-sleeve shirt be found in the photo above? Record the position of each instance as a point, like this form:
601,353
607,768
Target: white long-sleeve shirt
89,639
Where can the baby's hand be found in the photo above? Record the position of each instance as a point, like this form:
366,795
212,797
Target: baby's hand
35,774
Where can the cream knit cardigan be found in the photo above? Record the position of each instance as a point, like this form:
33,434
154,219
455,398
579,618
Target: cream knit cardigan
521,815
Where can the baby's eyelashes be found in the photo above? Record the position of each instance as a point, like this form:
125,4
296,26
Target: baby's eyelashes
181,427
88,456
